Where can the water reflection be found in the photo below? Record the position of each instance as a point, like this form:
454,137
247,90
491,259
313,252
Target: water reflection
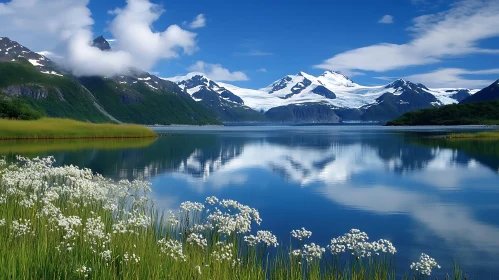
426,195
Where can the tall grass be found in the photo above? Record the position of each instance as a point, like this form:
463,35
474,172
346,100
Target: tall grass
487,135
36,147
52,128
68,223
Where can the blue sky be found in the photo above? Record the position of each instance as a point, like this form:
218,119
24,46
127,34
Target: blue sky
422,39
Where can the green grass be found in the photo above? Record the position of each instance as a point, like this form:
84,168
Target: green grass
36,147
483,113
72,217
52,128
488,135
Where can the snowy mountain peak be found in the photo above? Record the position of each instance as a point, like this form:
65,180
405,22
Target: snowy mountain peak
337,79
13,51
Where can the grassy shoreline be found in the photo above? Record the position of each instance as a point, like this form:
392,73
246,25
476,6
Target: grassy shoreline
52,128
487,135
69,223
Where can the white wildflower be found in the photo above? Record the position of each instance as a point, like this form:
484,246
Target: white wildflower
425,264
224,252
85,271
357,243
172,248
212,200
106,255
189,206
198,268
197,239
2,222
301,234
21,227
131,258
172,219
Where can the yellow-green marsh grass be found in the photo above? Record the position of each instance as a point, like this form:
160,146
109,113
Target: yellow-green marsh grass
69,223
487,135
52,128
30,147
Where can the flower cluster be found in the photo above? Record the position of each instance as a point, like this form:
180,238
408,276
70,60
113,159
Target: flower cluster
21,227
172,248
309,252
357,243
237,218
425,264
197,239
262,236
301,234
223,252
83,270
189,206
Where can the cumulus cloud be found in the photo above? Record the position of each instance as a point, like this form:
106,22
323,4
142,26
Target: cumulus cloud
386,19
218,72
453,78
198,22
455,32
64,27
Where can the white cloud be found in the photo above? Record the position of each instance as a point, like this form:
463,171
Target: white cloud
198,22
453,78
217,72
455,32
386,19
263,70
64,28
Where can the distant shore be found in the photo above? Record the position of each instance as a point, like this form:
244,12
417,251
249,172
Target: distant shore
52,128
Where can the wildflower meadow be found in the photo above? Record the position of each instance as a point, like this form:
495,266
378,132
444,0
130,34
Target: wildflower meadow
69,223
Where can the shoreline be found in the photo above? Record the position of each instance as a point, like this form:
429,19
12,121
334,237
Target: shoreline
80,138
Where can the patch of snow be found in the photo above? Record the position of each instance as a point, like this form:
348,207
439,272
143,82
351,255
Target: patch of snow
35,62
52,73
144,79
193,90
155,88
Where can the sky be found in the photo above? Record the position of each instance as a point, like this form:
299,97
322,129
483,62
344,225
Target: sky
440,43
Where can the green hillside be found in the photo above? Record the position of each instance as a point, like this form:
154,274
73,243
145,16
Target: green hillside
482,113
140,104
68,97
65,97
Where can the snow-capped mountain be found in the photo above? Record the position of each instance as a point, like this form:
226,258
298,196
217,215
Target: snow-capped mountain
13,51
228,106
306,97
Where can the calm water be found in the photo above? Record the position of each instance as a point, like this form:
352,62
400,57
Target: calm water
422,194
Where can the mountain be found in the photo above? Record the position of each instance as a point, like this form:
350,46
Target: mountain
135,97
101,43
140,97
305,98
487,94
402,97
227,106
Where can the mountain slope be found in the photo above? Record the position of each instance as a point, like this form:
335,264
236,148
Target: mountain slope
135,97
139,103
55,96
226,105
487,94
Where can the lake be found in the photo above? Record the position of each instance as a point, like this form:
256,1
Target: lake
402,184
